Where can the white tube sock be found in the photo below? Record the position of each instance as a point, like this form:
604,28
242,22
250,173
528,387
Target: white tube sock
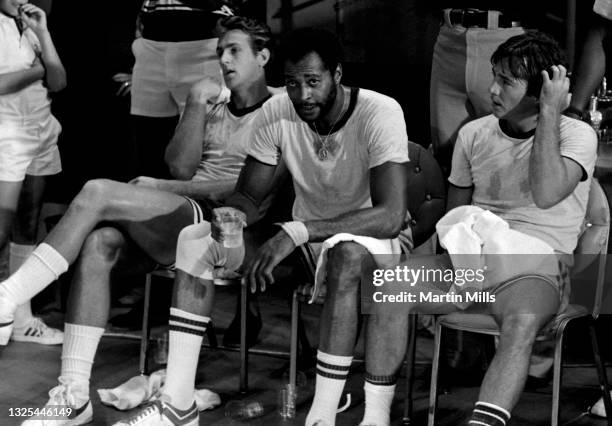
378,400
39,270
332,371
78,353
186,331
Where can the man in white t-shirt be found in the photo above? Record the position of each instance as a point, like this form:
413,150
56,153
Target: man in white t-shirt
532,167
111,225
345,149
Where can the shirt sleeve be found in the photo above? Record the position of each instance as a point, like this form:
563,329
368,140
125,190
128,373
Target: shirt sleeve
265,139
579,143
461,169
386,133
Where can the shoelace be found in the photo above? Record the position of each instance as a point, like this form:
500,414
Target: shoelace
146,411
38,326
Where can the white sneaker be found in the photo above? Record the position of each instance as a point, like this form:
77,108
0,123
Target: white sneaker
161,413
36,331
61,409
7,311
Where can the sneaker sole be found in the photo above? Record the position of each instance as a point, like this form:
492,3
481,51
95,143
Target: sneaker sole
29,339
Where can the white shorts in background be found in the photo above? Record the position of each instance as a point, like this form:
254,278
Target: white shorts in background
165,71
29,147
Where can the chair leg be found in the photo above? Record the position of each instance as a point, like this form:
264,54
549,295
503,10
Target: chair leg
244,351
601,372
295,314
433,387
146,328
410,358
557,375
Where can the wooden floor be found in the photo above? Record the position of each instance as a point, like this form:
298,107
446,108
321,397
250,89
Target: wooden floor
27,372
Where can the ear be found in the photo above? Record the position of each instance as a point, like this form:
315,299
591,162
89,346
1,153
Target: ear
338,74
263,56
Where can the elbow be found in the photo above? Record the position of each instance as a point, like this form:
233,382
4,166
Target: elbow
181,172
393,225
58,84
545,201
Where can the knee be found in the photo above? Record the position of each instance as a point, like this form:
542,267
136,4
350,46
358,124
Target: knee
104,244
346,254
520,330
93,193
344,264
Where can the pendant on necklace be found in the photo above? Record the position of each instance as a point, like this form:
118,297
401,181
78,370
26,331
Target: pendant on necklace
323,153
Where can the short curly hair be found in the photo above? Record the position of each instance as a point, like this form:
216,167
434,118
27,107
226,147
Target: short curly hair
527,55
299,43
260,34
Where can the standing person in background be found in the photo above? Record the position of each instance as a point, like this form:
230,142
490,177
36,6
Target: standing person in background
30,68
461,69
174,49
592,65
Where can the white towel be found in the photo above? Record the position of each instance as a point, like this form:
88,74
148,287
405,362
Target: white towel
141,389
478,239
380,250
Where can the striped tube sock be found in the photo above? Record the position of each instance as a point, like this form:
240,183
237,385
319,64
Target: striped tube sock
332,371
379,392
186,331
486,414
78,353
39,270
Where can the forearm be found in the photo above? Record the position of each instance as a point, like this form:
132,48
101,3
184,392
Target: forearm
377,222
184,151
548,176
15,81
216,191
55,74
590,70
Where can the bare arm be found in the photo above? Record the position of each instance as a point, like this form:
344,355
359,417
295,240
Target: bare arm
383,220
551,176
15,81
217,190
184,151
458,196
55,74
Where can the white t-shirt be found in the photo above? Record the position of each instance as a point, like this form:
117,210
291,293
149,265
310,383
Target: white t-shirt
497,165
374,133
603,8
17,53
226,139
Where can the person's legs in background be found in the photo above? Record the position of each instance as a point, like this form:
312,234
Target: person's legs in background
28,328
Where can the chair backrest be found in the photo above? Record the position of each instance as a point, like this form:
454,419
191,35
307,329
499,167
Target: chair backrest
426,193
594,240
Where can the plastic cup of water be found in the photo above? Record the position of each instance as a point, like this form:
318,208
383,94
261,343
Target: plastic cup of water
230,221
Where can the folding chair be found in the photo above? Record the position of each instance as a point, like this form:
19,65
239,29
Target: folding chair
593,240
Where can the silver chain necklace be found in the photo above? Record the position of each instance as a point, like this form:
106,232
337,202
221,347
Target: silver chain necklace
323,152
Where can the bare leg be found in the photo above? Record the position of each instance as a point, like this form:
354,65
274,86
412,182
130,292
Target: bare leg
521,310
104,249
341,309
151,218
9,198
